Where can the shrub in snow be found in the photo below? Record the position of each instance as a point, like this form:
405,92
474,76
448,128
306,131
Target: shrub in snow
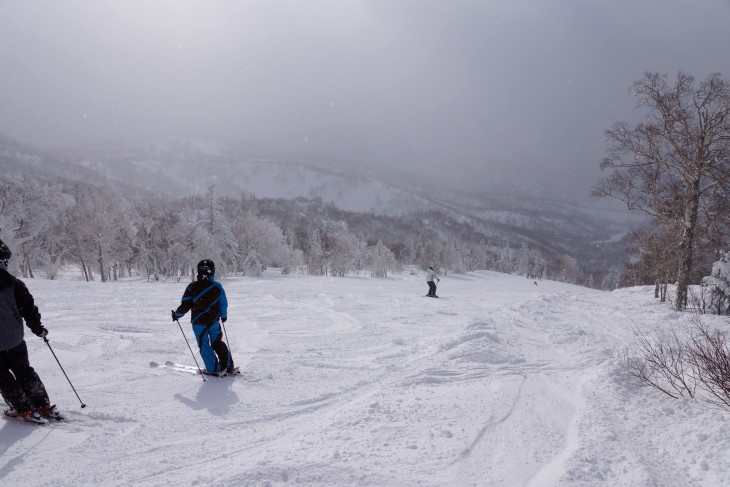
716,288
695,363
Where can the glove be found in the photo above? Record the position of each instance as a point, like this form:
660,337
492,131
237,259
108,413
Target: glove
174,315
224,318
438,280
41,332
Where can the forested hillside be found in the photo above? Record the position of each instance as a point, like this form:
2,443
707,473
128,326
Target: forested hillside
121,211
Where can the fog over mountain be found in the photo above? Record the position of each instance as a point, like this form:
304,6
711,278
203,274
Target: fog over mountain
395,210
485,96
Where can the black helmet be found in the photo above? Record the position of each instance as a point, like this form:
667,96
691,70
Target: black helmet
206,268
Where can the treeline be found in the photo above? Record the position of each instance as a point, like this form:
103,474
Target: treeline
110,235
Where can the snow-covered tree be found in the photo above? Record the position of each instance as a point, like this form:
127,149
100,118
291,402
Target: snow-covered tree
29,214
99,229
716,287
315,253
429,254
479,256
222,243
452,257
291,260
611,279
210,235
162,242
569,270
523,261
538,265
264,238
381,260
505,263
252,265
346,251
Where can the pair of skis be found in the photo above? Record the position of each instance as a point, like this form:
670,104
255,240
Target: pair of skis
34,419
194,370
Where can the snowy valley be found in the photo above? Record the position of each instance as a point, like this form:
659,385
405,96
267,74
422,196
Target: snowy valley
173,168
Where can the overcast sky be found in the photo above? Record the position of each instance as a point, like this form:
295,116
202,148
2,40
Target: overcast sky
461,89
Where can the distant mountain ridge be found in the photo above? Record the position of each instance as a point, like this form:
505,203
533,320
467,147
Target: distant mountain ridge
174,167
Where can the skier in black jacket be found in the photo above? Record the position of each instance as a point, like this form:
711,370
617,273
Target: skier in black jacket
21,387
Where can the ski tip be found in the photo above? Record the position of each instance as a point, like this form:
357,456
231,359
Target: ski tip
56,418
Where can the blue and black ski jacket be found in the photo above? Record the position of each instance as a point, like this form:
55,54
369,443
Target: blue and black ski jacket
207,300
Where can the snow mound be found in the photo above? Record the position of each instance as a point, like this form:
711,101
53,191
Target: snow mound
478,342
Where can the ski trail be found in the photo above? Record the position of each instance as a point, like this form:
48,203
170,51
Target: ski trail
491,424
549,475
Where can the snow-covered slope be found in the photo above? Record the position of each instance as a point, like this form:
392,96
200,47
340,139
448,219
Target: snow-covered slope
360,381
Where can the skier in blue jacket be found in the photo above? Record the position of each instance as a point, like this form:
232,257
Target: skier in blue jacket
207,300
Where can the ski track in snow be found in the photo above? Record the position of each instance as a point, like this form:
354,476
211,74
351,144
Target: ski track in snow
359,381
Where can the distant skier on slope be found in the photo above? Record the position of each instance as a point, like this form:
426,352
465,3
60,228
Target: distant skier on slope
207,300
430,276
21,387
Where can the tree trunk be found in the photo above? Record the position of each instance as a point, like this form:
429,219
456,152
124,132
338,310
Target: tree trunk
29,269
101,265
83,269
685,262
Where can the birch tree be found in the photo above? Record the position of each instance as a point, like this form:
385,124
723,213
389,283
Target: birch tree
675,165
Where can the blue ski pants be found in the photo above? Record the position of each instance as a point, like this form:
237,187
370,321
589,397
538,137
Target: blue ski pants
212,348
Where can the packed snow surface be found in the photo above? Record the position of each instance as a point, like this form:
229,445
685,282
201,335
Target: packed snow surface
360,381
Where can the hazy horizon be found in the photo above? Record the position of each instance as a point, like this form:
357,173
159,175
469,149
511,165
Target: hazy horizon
461,92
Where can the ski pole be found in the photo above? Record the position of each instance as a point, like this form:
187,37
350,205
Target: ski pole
190,348
225,334
64,372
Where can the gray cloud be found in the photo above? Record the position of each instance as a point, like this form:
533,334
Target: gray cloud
465,90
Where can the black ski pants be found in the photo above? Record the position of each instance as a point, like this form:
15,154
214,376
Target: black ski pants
21,387
431,288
